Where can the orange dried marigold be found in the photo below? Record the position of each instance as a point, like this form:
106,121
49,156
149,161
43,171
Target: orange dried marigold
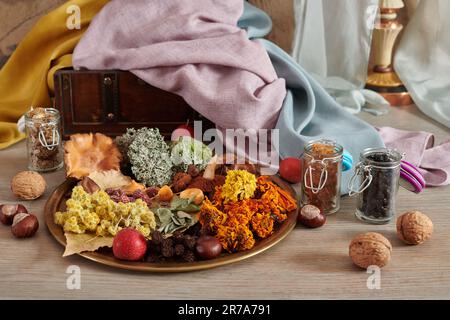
262,224
211,217
234,239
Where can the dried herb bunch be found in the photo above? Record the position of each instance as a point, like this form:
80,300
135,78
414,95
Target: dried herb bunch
148,154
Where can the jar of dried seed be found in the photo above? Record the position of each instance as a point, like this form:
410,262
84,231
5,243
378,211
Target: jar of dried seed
44,145
322,170
379,173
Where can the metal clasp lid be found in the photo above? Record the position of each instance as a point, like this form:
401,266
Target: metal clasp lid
360,170
55,139
323,176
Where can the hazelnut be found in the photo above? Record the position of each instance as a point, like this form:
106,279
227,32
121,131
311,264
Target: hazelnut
8,211
311,217
28,185
165,194
208,247
24,225
369,249
195,195
414,227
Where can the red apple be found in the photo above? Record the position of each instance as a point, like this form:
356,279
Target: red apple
129,244
291,170
182,130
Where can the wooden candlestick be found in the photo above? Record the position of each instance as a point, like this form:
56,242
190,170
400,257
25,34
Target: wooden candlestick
382,78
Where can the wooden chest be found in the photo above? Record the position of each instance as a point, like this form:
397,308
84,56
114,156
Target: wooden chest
111,101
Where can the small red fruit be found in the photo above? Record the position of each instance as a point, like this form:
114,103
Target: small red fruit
291,170
129,244
181,131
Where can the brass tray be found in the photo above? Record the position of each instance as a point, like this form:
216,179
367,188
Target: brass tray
57,200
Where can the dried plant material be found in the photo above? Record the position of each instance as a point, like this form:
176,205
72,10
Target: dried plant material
98,213
236,224
113,179
77,243
239,185
210,170
165,194
133,187
168,222
86,153
195,195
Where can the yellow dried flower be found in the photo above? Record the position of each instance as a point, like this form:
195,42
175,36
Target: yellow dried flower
98,213
239,185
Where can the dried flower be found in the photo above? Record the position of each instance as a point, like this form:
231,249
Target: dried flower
239,185
149,156
187,150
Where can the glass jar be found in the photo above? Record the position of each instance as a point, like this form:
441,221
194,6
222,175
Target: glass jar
44,146
379,173
322,170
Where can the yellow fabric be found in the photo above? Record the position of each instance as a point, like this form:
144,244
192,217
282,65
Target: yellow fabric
27,78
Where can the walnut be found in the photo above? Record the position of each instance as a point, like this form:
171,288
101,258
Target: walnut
369,249
28,185
414,227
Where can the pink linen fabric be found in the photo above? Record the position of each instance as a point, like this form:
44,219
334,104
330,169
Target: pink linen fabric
192,48
420,150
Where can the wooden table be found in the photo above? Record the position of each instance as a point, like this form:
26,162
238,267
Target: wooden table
307,264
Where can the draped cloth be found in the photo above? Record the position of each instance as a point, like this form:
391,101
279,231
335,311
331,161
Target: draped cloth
333,40
192,48
27,78
195,49
420,149
422,60
211,53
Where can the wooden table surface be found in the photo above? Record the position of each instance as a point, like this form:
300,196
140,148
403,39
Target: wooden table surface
307,264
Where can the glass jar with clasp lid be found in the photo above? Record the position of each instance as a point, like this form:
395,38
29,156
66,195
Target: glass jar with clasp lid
379,173
323,163
44,145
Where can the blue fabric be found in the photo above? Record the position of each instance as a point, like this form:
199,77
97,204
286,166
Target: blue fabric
308,112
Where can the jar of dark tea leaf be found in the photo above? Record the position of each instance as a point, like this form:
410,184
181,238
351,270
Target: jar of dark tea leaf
44,145
379,173
322,170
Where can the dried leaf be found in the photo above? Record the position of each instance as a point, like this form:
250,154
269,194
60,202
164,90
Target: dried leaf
114,179
77,243
185,205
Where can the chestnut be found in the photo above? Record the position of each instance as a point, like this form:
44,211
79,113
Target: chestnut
208,247
8,211
311,217
89,185
24,225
